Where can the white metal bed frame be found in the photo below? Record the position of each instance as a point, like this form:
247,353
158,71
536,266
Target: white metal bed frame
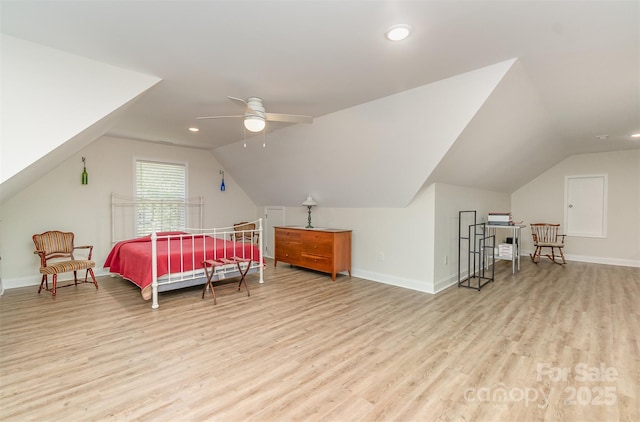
121,206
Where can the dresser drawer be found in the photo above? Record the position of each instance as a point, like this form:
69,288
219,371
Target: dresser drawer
316,262
288,253
313,236
288,244
317,243
287,235
322,247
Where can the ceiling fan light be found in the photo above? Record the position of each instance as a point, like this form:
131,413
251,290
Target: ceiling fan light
254,123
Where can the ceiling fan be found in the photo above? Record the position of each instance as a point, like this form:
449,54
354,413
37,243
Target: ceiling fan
255,115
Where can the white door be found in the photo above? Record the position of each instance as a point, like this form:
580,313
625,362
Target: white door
586,205
273,216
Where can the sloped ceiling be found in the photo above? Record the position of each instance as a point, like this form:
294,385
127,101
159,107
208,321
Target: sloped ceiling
50,109
579,77
510,138
376,154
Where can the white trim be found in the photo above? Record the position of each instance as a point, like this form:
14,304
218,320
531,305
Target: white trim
268,225
445,283
407,283
174,163
604,260
14,283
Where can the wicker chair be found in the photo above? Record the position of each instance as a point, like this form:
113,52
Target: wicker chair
245,233
546,235
55,249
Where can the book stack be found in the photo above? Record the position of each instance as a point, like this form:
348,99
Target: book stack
500,219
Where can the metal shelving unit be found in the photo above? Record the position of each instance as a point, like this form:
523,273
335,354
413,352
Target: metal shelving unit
480,247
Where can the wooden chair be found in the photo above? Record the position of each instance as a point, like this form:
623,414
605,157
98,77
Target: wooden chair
244,232
546,235
55,249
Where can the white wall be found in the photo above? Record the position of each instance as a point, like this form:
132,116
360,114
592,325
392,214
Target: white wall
60,201
450,200
406,246
49,97
389,245
399,246
542,200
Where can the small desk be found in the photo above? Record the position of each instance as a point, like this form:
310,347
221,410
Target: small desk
515,229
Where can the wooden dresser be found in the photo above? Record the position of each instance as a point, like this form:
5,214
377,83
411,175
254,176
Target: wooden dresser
326,250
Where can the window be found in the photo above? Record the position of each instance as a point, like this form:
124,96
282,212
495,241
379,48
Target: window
161,196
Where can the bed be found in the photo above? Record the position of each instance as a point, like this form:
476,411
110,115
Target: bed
164,261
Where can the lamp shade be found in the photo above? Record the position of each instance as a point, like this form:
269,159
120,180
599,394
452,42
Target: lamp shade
254,123
309,202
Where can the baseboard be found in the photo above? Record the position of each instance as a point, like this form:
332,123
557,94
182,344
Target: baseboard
596,260
604,260
407,283
14,283
447,282
451,280
412,284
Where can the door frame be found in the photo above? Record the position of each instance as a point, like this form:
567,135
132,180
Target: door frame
268,232
602,196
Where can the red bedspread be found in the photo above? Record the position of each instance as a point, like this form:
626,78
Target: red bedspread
132,258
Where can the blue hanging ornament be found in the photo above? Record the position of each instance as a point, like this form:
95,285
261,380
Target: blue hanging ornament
222,188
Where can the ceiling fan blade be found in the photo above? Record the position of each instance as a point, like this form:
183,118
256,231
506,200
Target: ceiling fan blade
239,101
288,118
219,117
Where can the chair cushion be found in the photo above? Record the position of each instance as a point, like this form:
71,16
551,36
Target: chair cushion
66,266
550,244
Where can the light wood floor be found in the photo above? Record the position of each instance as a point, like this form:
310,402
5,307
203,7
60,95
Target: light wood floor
305,348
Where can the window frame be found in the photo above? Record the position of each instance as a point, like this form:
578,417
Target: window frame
145,230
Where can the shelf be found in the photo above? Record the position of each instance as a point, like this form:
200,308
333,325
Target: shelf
480,251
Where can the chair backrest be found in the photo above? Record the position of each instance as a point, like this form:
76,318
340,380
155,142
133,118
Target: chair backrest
244,229
545,232
55,244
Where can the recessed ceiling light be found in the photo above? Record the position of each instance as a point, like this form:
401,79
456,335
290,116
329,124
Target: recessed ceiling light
398,32
194,129
636,135
602,137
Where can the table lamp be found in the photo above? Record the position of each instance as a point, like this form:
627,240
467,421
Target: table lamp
309,203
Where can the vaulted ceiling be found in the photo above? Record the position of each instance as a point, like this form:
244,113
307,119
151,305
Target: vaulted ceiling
573,76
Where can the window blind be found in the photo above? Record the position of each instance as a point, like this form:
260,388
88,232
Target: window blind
161,197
